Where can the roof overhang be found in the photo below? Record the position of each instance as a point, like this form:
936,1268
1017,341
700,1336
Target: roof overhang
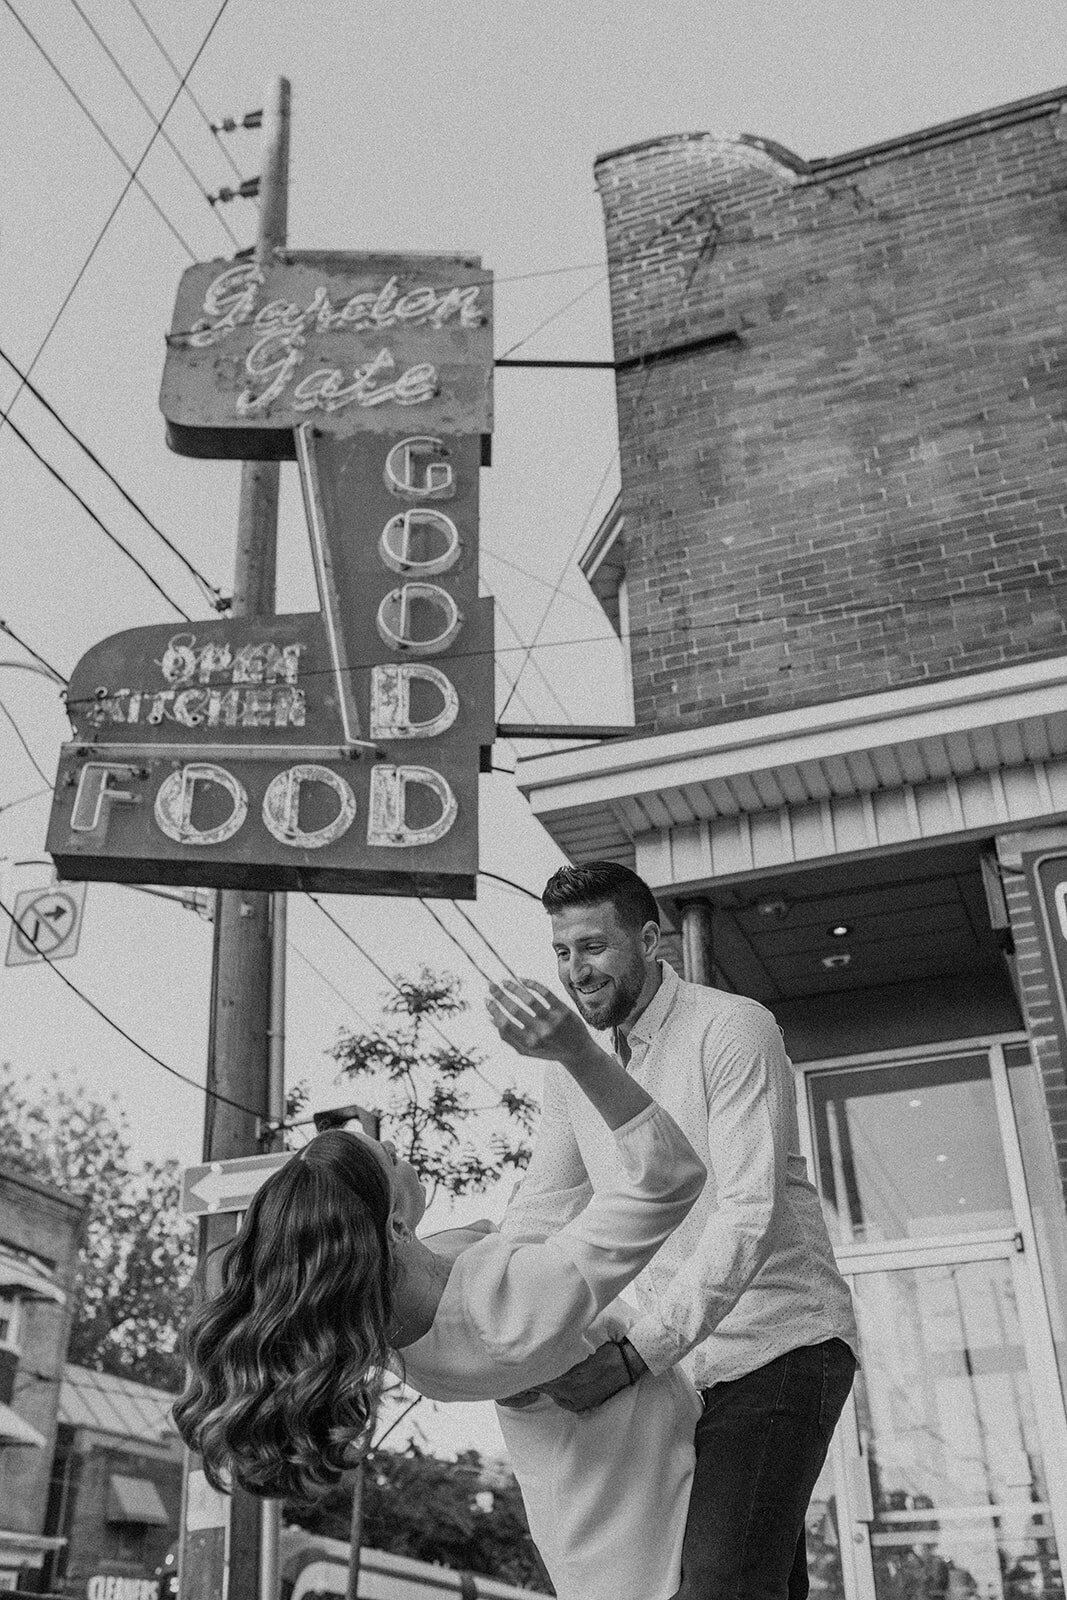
28,1278
16,1430
979,752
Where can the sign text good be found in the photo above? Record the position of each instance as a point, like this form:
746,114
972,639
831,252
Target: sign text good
349,342
227,1185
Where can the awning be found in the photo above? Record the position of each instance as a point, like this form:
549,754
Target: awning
13,1430
29,1278
135,1500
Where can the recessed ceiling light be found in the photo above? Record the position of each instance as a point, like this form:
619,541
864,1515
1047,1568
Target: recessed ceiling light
773,909
914,1103
839,930
841,959
942,1158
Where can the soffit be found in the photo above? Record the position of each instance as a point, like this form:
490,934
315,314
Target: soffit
599,799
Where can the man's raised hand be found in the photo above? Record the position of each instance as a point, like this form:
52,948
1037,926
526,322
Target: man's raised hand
534,1022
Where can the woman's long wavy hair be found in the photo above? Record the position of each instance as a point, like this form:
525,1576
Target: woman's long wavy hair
287,1359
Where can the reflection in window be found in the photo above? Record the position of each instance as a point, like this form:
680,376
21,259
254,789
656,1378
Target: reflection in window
947,1418
909,1150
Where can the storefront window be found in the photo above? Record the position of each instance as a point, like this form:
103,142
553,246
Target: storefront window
1044,1191
909,1150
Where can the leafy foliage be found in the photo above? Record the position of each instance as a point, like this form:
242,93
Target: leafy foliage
130,1296
430,1080
467,1514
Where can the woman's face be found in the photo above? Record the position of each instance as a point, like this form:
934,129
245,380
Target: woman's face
409,1196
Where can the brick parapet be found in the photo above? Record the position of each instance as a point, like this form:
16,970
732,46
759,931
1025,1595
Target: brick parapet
869,488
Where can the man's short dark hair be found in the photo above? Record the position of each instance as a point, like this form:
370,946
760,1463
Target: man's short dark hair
599,882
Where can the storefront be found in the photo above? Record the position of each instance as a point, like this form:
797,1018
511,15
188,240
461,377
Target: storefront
116,1487
837,570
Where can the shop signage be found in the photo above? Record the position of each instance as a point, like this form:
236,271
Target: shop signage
353,343
334,751
1048,883
110,1586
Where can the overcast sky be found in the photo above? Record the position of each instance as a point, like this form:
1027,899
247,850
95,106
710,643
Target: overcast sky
417,127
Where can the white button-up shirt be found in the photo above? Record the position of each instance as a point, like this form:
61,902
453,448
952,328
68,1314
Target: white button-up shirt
750,1273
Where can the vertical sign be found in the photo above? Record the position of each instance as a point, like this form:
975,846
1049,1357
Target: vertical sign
1048,885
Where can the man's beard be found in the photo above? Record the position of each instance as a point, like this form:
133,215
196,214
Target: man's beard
624,997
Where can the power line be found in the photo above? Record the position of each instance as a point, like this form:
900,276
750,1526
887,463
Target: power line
211,1094
112,146
535,577
23,799
87,508
167,140
489,945
446,930
509,883
306,959
113,213
171,63
555,316
5,627
711,234
210,591
34,763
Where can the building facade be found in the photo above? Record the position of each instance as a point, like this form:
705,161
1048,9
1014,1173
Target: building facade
40,1232
116,1487
838,567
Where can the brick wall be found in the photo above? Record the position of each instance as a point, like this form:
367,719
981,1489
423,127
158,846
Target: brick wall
868,488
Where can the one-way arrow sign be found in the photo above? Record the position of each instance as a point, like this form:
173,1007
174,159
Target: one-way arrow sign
227,1185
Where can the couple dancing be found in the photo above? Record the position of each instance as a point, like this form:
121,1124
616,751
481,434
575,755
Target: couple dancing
667,1449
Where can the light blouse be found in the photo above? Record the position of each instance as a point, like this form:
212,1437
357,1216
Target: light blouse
606,1491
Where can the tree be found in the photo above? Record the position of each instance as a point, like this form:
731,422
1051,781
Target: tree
430,1082
466,1514
131,1293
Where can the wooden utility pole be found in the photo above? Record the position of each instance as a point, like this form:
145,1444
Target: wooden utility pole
233,1561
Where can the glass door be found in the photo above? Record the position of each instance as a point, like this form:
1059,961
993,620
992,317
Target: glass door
948,1478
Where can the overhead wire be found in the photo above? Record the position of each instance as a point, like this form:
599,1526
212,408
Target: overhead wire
24,799
5,627
209,590
446,930
306,959
113,213
99,521
201,1088
19,735
190,96
105,136
711,234
489,945
554,317
167,140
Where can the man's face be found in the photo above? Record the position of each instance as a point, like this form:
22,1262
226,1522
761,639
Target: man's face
603,964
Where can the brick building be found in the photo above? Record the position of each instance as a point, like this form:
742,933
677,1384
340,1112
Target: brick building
839,570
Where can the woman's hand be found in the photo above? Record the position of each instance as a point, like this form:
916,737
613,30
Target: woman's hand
534,1022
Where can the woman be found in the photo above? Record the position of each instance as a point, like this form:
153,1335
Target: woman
326,1285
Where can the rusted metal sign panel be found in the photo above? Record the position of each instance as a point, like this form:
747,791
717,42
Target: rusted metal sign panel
216,756
353,343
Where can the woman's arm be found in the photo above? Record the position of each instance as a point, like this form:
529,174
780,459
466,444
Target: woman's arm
530,1018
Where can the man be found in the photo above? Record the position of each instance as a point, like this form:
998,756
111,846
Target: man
746,1291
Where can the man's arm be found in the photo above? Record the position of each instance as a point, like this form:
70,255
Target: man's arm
749,1092
751,1120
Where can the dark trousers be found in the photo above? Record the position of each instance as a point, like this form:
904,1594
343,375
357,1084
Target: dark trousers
761,1444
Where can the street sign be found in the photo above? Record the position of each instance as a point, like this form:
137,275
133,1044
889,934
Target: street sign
227,1185
1048,880
47,924
352,342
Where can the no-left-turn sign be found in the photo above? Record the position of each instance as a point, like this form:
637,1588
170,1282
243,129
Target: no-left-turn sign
47,924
